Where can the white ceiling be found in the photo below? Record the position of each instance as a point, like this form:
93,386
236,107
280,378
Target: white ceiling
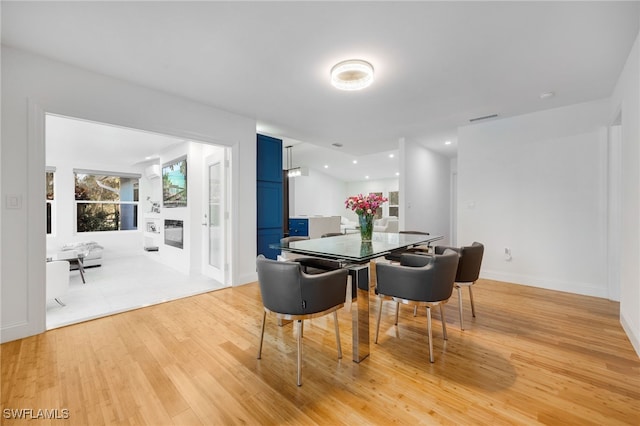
438,64
89,143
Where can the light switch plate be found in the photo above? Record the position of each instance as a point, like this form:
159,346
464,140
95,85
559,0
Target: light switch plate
14,201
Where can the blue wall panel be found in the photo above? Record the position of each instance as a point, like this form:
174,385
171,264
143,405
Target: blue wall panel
269,159
269,194
269,205
268,236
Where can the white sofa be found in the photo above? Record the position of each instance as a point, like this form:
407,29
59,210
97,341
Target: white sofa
386,224
92,252
347,225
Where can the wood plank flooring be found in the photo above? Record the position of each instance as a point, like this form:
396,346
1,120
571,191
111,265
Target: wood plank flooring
531,356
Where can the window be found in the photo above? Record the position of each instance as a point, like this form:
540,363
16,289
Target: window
106,201
50,200
378,213
394,203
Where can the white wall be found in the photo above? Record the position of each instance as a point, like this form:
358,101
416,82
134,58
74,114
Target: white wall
321,194
116,243
316,194
187,259
453,202
180,258
626,100
536,184
425,191
33,85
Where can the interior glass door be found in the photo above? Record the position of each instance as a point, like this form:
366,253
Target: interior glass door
215,217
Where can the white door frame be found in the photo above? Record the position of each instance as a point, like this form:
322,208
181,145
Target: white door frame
614,207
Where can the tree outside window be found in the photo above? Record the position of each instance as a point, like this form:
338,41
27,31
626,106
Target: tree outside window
106,202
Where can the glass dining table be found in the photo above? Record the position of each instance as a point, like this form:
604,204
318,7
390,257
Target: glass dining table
350,252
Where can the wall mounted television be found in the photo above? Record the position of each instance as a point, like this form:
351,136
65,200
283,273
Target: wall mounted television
174,183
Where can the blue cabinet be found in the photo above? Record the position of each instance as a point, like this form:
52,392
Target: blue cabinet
298,227
313,226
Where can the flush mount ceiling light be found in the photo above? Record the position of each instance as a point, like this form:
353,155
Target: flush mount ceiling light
353,74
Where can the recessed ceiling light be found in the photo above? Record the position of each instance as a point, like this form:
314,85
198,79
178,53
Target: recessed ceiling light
397,173
390,155
354,74
546,95
447,143
366,177
355,161
326,166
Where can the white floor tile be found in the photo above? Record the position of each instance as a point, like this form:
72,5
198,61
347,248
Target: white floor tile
120,285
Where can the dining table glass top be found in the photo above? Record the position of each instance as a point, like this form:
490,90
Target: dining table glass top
351,248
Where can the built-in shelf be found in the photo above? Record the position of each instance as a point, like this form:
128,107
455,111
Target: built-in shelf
152,226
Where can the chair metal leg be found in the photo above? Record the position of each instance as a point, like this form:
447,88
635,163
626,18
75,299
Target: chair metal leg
264,317
59,302
460,307
335,321
429,332
397,312
379,314
415,310
301,329
473,309
444,322
299,352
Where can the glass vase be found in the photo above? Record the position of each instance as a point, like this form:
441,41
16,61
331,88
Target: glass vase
366,226
366,248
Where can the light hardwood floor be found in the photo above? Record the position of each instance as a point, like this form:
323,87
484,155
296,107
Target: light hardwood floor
531,356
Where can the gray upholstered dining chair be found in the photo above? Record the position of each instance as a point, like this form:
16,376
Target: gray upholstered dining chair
468,271
394,256
291,294
419,280
310,264
286,240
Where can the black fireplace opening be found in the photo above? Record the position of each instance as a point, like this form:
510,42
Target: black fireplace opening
174,233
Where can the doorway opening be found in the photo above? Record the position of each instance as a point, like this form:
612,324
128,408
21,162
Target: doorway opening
114,197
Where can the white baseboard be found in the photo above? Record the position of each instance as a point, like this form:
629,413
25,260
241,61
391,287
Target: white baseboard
633,338
246,279
585,289
17,330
